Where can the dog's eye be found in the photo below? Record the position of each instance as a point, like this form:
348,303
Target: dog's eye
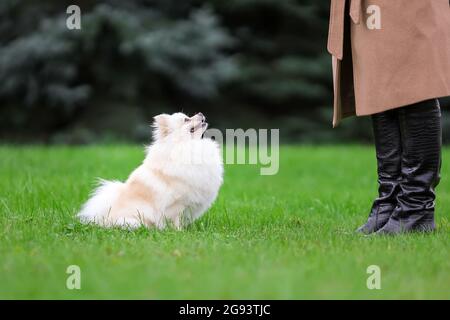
186,119
192,129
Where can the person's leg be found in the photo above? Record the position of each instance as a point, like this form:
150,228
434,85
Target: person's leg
420,126
386,129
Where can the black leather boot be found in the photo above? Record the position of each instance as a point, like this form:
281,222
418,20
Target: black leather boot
420,126
386,129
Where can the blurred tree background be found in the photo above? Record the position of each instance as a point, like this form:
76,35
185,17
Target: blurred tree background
244,63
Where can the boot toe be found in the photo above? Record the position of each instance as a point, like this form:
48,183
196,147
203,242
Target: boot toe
364,229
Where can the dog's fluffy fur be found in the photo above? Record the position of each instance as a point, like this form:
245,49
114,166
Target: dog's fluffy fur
177,182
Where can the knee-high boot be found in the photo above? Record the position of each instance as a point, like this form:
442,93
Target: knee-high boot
386,129
421,135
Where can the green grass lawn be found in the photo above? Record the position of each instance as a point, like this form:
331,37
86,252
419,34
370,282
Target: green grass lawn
288,236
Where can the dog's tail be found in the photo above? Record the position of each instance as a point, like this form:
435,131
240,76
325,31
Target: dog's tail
98,207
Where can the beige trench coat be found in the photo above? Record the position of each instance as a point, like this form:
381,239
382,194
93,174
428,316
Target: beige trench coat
388,54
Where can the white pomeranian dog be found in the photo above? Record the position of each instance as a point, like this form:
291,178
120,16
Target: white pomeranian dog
177,182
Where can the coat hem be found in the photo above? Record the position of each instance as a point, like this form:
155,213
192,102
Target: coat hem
404,104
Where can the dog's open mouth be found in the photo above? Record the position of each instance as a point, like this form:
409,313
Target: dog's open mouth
202,126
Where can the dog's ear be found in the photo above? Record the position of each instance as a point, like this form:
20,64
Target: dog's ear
161,127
